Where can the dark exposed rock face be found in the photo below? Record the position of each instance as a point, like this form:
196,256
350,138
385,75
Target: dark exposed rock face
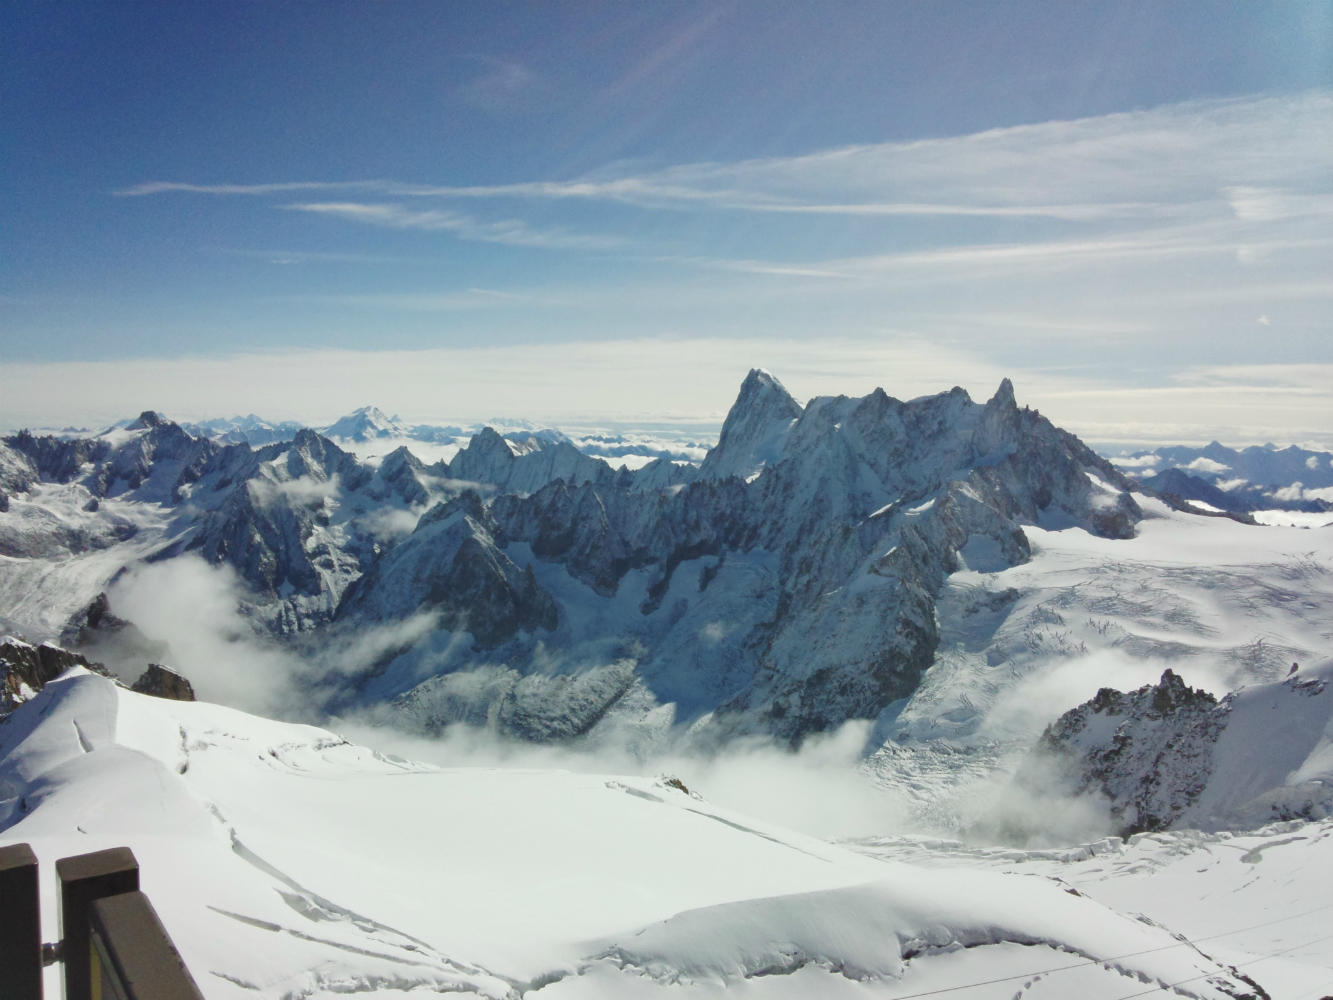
96,618
454,569
25,669
163,682
1148,751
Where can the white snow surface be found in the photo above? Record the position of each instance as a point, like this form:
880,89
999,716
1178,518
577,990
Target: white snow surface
1256,900
287,862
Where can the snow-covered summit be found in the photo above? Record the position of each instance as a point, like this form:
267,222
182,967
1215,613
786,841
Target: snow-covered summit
755,429
364,424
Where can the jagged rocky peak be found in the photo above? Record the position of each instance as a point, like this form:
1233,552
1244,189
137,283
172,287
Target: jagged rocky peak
468,503
486,459
1167,697
312,454
453,568
147,420
1146,754
755,429
398,475
400,457
761,389
1004,396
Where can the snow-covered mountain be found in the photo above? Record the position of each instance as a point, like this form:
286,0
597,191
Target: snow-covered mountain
285,861
251,429
1253,478
922,586
908,564
785,589
1169,755
366,423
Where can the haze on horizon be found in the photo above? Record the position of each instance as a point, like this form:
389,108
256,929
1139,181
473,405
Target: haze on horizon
463,210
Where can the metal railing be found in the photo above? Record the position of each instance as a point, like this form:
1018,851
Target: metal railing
113,946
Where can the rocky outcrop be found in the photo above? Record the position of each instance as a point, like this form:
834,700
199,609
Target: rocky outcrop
1149,751
163,682
25,669
1170,755
100,634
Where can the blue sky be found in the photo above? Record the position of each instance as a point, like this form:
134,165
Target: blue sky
455,210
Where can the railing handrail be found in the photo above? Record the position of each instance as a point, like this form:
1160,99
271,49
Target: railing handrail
113,945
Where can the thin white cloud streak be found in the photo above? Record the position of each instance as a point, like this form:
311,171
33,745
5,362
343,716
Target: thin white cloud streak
1214,184
1207,240
1251,156
510,232
319,257
281,187
687,380
464,301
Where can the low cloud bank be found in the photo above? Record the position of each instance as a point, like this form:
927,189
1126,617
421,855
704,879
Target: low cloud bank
194,609
818,789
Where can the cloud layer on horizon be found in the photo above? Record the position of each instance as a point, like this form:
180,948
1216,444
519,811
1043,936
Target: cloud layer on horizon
1141,275
687,383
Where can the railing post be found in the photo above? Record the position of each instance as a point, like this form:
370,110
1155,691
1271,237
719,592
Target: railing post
84,879
132,955
20,923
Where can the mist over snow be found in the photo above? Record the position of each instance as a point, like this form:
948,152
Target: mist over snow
195,609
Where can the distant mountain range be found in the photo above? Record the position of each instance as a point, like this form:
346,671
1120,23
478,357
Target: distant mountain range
1240,481
846,559
1254,478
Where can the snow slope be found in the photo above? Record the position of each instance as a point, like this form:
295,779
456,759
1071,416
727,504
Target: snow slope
1222,604
1256,900
288,863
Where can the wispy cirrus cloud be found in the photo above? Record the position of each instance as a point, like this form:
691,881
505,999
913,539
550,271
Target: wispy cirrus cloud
280,187
1253,155
511,232
1175,225
467,299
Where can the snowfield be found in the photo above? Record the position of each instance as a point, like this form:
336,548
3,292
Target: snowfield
289,863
